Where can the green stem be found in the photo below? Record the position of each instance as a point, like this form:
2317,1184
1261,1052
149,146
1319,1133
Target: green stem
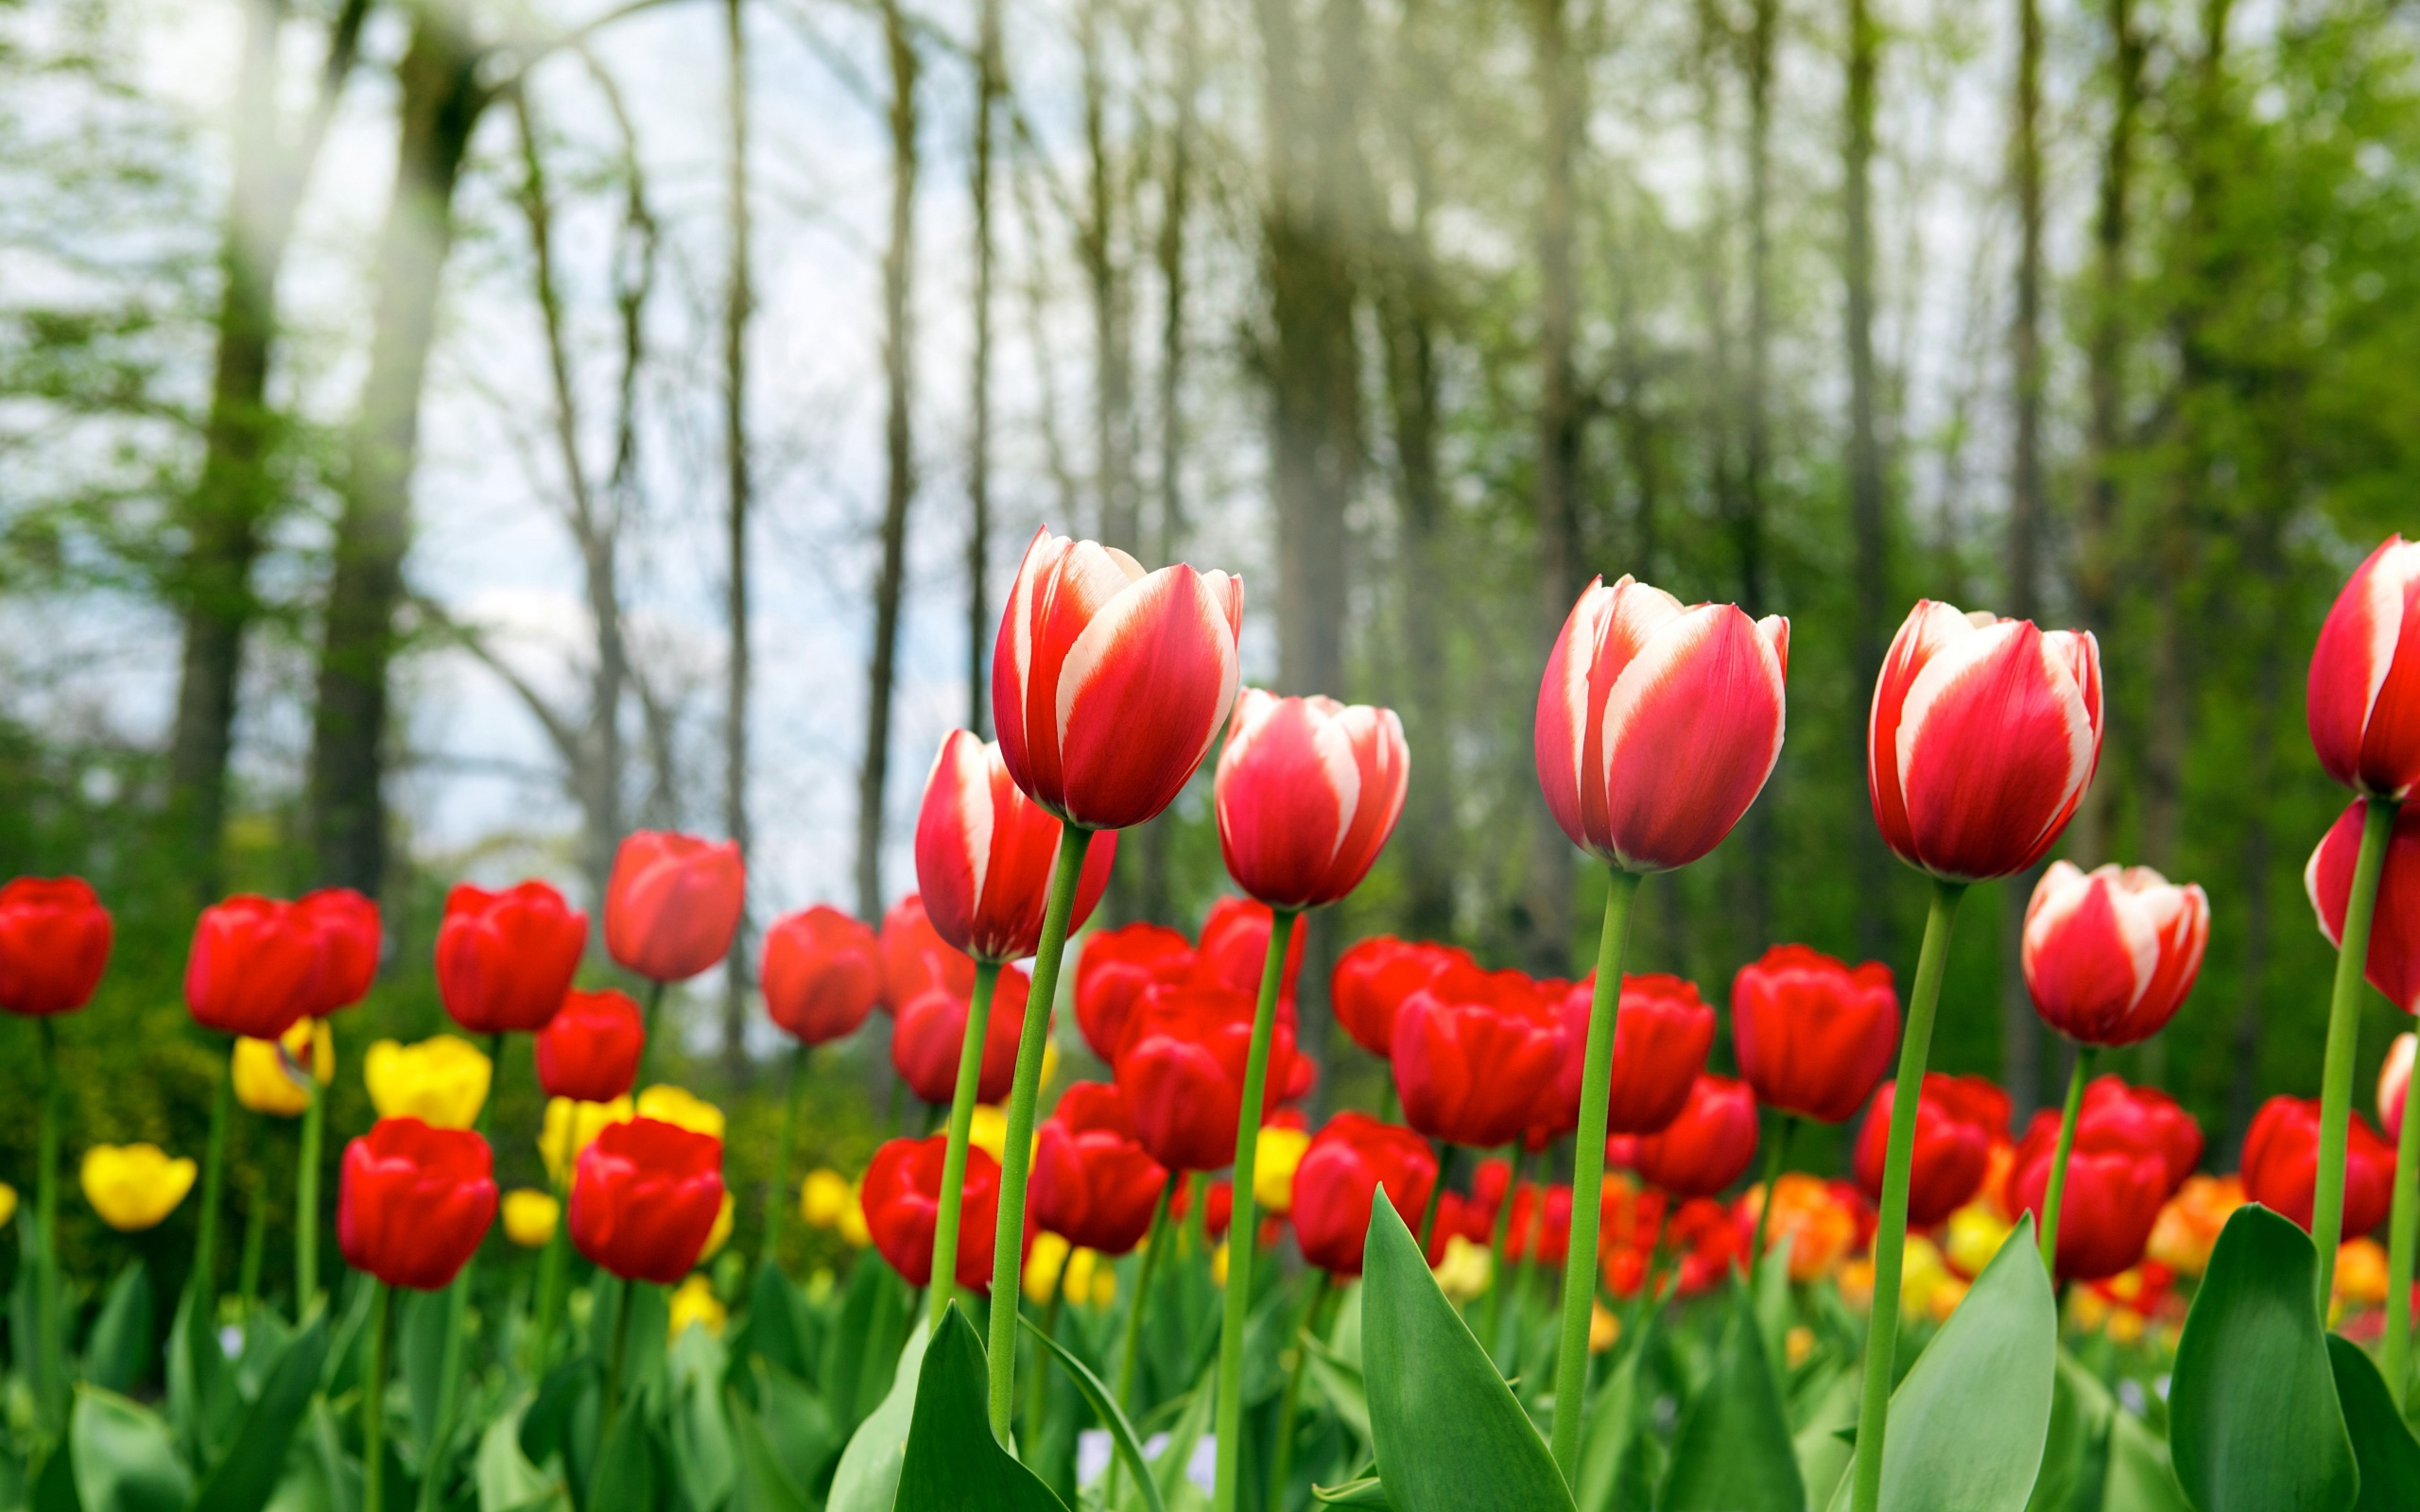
1891,1238
1039,1397
2054,1197
2343,1034
1588,1175
306,1193
649,1062
248,1274
552,1268
1282,1461
1496,1243
1009,1240
962,1126
2399,1244
1447,1157
777,1205
373,1404
1244,1227
613,1404
1158,1239
1784,1129
213,1164
50,1372
458,1309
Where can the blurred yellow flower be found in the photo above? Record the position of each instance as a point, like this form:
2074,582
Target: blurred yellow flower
1043,1263
719,1234
1797,1345
823,1196
1465,1270
1976,1233
1218,1265
674,1105
7,1203
1049,1061
694,1302
988,1131
1923,1273
1091,1278
2187,1228
1605,1329
1809,1217
269,1075
2361,1273
443,1080
853,1231
134,1186
579,1123
1276,1152
530,1217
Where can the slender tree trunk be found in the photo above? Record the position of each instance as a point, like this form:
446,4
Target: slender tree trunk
1113,359
2020,1030
1756,463
441,104
898,341
1869,519
739,302
989,86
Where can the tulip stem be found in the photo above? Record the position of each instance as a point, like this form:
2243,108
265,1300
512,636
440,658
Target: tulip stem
961,1127
551,1267
2054,1197
50,1376
613,1404
1008,1249
2343,1034
1446,1155
777,1203
1038,1400
1515,1156
1783,1129
1891,1238
213,1162
457,1307
1158,1239
1588,1174
2399,1245
306,1193
1243,1226
1282,1459
373,1403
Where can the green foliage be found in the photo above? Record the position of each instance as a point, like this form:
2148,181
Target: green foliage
2382,1442
1734,1453
952,1463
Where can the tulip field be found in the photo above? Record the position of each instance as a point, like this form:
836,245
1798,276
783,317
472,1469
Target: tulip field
1566,1260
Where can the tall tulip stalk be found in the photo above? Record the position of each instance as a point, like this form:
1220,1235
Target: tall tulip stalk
1657,725
1984,735
822,975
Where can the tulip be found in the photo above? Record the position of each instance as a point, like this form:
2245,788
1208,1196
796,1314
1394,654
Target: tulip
1307,792
2109,1189
2151,1118
1234,946
1277,1150
2365,696
915,957
673,903
8,1204
1951,1149
643,1199
136,1186
442,1081
1813,1034
1460,1220
1813,1217
1373,977
682,1108
276,1077
2281,1155
1541,1227
693,1304
902,1200
413,1202
568,1128
54,945
825,1197
1661,1038
985,852
2109,956
1708,1146
1181,1071
347,929
2393,961
505,959
822,974
588,1051
1117,967
2394,1084
1473,1062
726,1218
253,966
1094,1184
530,1217
930,1033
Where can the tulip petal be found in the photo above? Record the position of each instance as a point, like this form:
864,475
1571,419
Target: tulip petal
1692,730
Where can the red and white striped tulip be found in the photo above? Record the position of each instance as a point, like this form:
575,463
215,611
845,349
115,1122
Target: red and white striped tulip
1110,683
2109,955
1307,791
2394,1083
2365,699
984,854
2393,966
1984,735
1658,723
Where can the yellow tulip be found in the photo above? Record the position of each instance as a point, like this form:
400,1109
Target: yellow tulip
823,1196
1218,1265
1465,1270
7,1203
693,1301
1043,1264
1797,1345
1089,1279
530,1217
853,1231
672,1105
268,1074
988,1131
1605,1329
441,1080
1976,1234
719,1234
583,1122
1049,1061
1277,1152
134,1186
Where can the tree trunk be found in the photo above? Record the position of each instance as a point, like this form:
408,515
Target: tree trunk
898,341
989,86
2020,1029
1869,519
1113,359
441,104
738,304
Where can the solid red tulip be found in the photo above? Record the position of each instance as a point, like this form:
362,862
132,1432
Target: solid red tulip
1550,1228
645,1195
822,974
1116,968
1476,1058
1350,1158
1813,1035
930,1030
413,1202
1373,977
348,927
1180,1070
54,944
985,852
1707,1146
902,1201
2364,697
2394,1082
1216,1216
915,957
2109,955
1661,1035
1657,724
1459,1217
2393,966
588,1051
1307,792
505,959
2281,1164
1984,735
673,903
1954,1135
252,968
1710,1244
1094,1184
1234,946
2151,1118
1110,683
2116,1180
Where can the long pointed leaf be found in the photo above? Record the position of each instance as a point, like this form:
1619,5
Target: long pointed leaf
1121,1433
2389,1457
867,1477
246,1476
953,1462
1732,1453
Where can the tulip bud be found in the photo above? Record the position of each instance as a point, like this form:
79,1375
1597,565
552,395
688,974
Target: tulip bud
2281,1164
1234,948
54,944
2110,956
673,903
251,968
1705,1148
822,974
2117,1181
2153,1119
1094,1184
2393,965
902,1204
530,1217
349,941
1661,1035
588,1051
645,1198
1180,1070
274,1076
505,959
1307,791
1373,977
1957,1121
931,1030
2365,697
1117,966
442,1081
413,1202
1813,1036
133,1187
1476,1058
985,853
693,1304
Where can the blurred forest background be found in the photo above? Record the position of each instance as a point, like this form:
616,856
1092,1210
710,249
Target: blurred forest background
439,436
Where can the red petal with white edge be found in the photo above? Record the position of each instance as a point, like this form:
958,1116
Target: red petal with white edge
1559,740
1141,694
1286,795
1690,733
1061,592
1384,758
1996,743
2086,960
2355,654
1929,627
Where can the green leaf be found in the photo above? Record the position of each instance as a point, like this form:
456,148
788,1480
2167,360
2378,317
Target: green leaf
625,1468
797,1421
705,1461
861,1350
1775,1309
1608,1437
1968,1422
202,1388
777,1327
549,1421
2139,1477
867,1477
120,1345
763,1484
1822,1445
247,1473
1367,1492
953,1462
125,1457
420,1344
506,1480
1340,1380
2389,1458
2080,1411
1448,1434
2252,1421
1121,1433
1732,1453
